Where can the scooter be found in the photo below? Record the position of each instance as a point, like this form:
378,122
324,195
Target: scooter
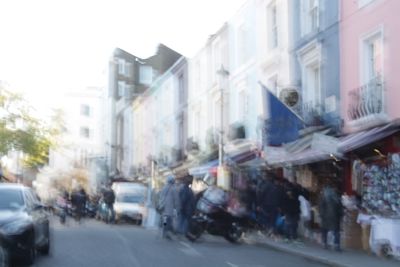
216,220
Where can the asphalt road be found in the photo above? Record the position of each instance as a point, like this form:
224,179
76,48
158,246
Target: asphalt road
93,244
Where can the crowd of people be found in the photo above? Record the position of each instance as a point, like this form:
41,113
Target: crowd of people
79,204
278,207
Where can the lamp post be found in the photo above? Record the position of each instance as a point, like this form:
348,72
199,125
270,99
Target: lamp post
223,75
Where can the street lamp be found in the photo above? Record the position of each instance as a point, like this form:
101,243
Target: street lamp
223,75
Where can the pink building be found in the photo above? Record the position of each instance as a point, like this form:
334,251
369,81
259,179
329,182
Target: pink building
370,63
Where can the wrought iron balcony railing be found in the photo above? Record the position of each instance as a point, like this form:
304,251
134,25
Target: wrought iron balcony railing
366,100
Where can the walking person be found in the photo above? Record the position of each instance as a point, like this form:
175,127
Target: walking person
167,206
186,205
331,212
109,200
291,210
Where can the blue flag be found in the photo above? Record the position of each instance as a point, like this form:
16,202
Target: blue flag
282,125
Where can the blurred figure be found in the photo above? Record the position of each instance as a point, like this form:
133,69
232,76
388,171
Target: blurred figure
167,205
291,210
186,206
109,200
62,205
78,200
331,212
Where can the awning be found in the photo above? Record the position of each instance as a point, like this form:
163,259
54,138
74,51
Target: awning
304,150
360,139
203,169
303,157
236,152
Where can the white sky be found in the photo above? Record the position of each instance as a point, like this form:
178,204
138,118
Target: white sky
52,46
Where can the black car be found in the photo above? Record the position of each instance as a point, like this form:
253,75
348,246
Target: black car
24,223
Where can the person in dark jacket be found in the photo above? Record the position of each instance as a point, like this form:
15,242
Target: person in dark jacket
187,202
109,200
331,212
291,210
168,206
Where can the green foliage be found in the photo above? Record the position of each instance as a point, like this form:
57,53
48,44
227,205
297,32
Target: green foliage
20,131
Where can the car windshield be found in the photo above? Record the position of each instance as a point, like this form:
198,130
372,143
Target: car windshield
130,198
10,199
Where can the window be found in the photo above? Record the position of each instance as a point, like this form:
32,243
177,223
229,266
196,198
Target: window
243,51
310,59
121,89
313,14
85,132
146,75
372,59
85,110
313,87
273,26
121,66
128,69
181,89
217,59
310,16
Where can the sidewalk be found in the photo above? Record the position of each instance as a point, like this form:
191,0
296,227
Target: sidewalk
347,258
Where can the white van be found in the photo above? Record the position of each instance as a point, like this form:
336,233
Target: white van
130,203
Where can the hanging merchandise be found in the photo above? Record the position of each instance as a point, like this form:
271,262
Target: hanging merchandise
358,170
381,187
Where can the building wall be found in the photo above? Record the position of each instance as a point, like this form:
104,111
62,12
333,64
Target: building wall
322,45
244,92
274,61
156,118
356,24
77,148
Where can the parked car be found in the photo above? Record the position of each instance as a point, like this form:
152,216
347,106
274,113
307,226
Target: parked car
130,204
24,223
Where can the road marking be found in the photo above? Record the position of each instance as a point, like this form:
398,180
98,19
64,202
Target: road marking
231,264
132,258
189,250
185,244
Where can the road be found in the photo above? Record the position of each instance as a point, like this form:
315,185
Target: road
93,244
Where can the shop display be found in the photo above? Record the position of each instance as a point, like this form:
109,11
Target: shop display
381,187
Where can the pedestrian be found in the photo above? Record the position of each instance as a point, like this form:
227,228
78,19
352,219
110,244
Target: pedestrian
82,199
267,204
186,205
291,211
331,212
167,206
109,200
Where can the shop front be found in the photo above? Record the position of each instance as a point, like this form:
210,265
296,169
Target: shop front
373,186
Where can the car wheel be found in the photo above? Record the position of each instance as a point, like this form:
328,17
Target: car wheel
30,254
45,249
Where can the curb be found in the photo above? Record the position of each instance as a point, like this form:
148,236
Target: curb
297,253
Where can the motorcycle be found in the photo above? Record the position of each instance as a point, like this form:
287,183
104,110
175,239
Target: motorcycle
104,213
90,209
213,217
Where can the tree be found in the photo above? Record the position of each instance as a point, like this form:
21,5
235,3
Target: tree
20,131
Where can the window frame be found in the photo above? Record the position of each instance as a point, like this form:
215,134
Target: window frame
365,62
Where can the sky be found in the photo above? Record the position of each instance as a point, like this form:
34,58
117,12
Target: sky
48,47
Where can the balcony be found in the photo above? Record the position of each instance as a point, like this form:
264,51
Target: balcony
366,103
